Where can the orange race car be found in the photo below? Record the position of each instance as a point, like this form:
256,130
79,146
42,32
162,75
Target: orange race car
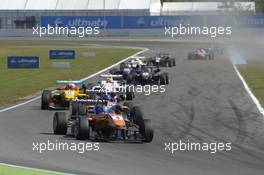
104,122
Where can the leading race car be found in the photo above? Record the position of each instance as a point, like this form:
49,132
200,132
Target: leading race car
60,98
104,122
201,54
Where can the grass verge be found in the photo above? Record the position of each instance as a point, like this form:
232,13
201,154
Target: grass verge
18,83
254,76
10,170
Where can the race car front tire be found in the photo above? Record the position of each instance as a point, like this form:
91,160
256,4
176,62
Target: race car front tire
60,123
82,129
148,131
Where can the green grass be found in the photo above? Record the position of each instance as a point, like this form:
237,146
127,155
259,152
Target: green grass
8,170
254,76
18,83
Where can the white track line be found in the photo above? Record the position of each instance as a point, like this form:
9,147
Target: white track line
253,97
34,169
84,79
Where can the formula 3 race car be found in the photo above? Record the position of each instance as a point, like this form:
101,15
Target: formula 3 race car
148,75
201,54
110,86
60,98
162,60
104,123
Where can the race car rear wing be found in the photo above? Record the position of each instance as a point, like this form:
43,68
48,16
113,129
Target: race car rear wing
90,101
89,91
139,57
114,77
111,76
68,82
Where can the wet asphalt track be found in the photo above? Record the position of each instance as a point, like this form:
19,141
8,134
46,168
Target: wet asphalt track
205,102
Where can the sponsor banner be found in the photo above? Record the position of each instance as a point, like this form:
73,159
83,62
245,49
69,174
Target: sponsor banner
246,21
16,62
137,22
108,22
62,54
88,54
250,21
61,65
152,22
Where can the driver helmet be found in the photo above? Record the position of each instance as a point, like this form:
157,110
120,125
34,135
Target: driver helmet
109,79
70,86
100,109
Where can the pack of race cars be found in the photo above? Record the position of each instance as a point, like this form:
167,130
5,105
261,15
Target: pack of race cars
104,110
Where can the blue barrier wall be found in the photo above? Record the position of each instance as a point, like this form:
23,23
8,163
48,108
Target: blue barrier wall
145,22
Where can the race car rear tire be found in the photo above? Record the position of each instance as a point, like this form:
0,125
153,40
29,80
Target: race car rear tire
81,109
129,96
74,108
82,129
170,63
137,115
60,123
148,131
45,99
162,79
167,78
173,62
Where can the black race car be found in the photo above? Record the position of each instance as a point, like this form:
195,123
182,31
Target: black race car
162,60
147,75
